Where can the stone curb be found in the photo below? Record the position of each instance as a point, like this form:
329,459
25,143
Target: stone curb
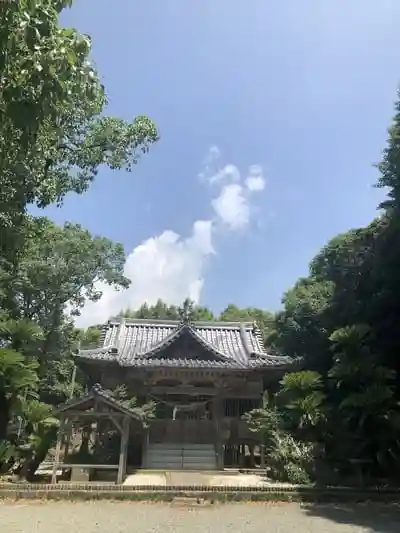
110,487
211,494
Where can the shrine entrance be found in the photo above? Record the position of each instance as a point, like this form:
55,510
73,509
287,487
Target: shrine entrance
183,436
187,420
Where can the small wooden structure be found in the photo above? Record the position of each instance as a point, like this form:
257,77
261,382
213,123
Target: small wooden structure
94,407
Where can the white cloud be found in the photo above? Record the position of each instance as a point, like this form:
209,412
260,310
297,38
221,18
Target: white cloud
233,204
227,174
166,266
232,207
210,163
171,267
255,180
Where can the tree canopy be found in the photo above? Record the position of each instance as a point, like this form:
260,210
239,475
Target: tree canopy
343,321
55,135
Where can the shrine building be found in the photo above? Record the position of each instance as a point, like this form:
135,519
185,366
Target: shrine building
202,376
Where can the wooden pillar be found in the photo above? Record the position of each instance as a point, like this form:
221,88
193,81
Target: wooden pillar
123,453
145,436
217,412
68,435
262,456
145,446
58,451
252,455
242,452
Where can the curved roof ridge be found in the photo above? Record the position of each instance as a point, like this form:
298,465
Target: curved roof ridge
111,348
260,339
144,321
176,334
163,343
245,342
207,345
176,322
221,324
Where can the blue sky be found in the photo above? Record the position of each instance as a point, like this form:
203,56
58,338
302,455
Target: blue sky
305,89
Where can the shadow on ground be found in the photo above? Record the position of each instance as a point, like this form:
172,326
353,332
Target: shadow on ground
376,518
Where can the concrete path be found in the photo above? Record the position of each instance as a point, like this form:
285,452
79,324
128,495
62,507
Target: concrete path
129,517
146,479
208,479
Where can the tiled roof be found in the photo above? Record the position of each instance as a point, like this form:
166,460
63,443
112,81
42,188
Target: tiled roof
142,343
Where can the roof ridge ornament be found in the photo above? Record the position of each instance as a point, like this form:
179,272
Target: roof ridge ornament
186,313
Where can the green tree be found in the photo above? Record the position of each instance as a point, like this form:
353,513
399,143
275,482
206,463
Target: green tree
364,391
302,328
56,274
264,319
90,337
16,377
287,458
54,135
39,433
343,320
389,166
301,399
51,110
162,311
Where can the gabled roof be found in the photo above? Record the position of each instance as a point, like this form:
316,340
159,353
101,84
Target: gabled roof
143,343
97,392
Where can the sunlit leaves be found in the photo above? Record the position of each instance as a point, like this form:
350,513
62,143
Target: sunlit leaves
16,374
53,134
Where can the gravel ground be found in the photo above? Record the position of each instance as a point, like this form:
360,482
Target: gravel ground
125,517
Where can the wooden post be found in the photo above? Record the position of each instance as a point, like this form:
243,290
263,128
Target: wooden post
217,413
123,450
262,456
67,440
73,379
58,451
242,452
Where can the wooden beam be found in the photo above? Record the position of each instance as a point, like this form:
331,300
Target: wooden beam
159,390
191,391
93,414
93,466
116,422
123,450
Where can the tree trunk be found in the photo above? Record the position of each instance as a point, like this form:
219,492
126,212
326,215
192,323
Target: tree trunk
5,414
31,465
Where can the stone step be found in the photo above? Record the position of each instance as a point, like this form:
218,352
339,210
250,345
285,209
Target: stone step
179,446
184,453
181,456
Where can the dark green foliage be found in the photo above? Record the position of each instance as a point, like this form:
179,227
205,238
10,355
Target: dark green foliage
54,137
162,311
390,165
343,320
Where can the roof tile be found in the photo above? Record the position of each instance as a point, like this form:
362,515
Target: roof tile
142,343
